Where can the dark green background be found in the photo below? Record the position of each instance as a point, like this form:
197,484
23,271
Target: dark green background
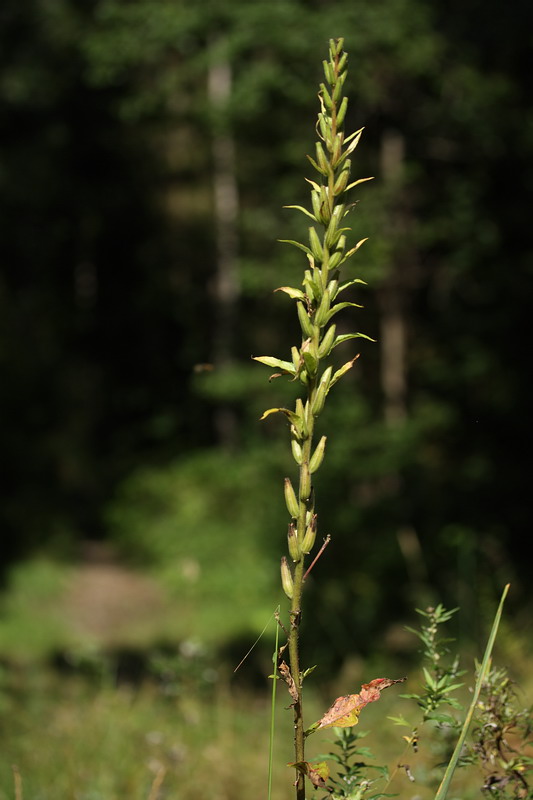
108,257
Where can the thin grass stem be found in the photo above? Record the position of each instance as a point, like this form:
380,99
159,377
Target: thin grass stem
442,791
273,710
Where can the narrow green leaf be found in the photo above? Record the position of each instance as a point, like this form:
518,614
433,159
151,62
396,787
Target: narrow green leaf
353,135
355,183
400,721
430,680
296,244
294,418
346,336
314,184
451,688
445,719
340,372
305,323
296,294
308,671
315,165
270,361
311,363
350,253
339,307
304,211
344,286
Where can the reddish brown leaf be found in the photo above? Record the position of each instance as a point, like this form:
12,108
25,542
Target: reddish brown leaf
317,773
285,673
345,710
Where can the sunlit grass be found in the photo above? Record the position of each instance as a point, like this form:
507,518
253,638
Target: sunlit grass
78,739
70,740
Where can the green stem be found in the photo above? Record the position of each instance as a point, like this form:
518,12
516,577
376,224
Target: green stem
296,605
299,739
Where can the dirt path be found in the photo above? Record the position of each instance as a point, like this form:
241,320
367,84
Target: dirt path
110,603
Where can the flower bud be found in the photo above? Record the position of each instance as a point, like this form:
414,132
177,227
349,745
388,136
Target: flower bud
302,415
294,547
328,71
336,150
321,392
333,288
319,399
326,97
286,578
324,204
332,234
296,359
290,499
315,201
316,244
335,259
342,62
336,95
321,315
318,455
321,156
341,113
305,323
326,344
341,182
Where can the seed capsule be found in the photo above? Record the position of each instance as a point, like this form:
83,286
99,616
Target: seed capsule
341,113
286,578
318,455
296,450
302,415
290,499
321,392
322,312
333,287
316,244
336,150
326,344
294,547
317,211
305,482
310,535
341,182
335,258
305,323
321,156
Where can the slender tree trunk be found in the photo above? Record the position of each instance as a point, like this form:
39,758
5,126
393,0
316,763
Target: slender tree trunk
392,295
226,212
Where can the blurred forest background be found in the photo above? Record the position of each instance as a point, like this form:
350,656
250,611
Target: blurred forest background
147,150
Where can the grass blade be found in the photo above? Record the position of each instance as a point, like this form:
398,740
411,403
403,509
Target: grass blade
273,710
450,769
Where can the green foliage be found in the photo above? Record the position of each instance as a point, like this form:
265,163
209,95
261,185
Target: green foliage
204,536
31,623
356,778
441,677
72,738
501,739
107,162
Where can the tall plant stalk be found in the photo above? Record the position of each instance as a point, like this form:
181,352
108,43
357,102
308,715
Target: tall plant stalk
317,304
